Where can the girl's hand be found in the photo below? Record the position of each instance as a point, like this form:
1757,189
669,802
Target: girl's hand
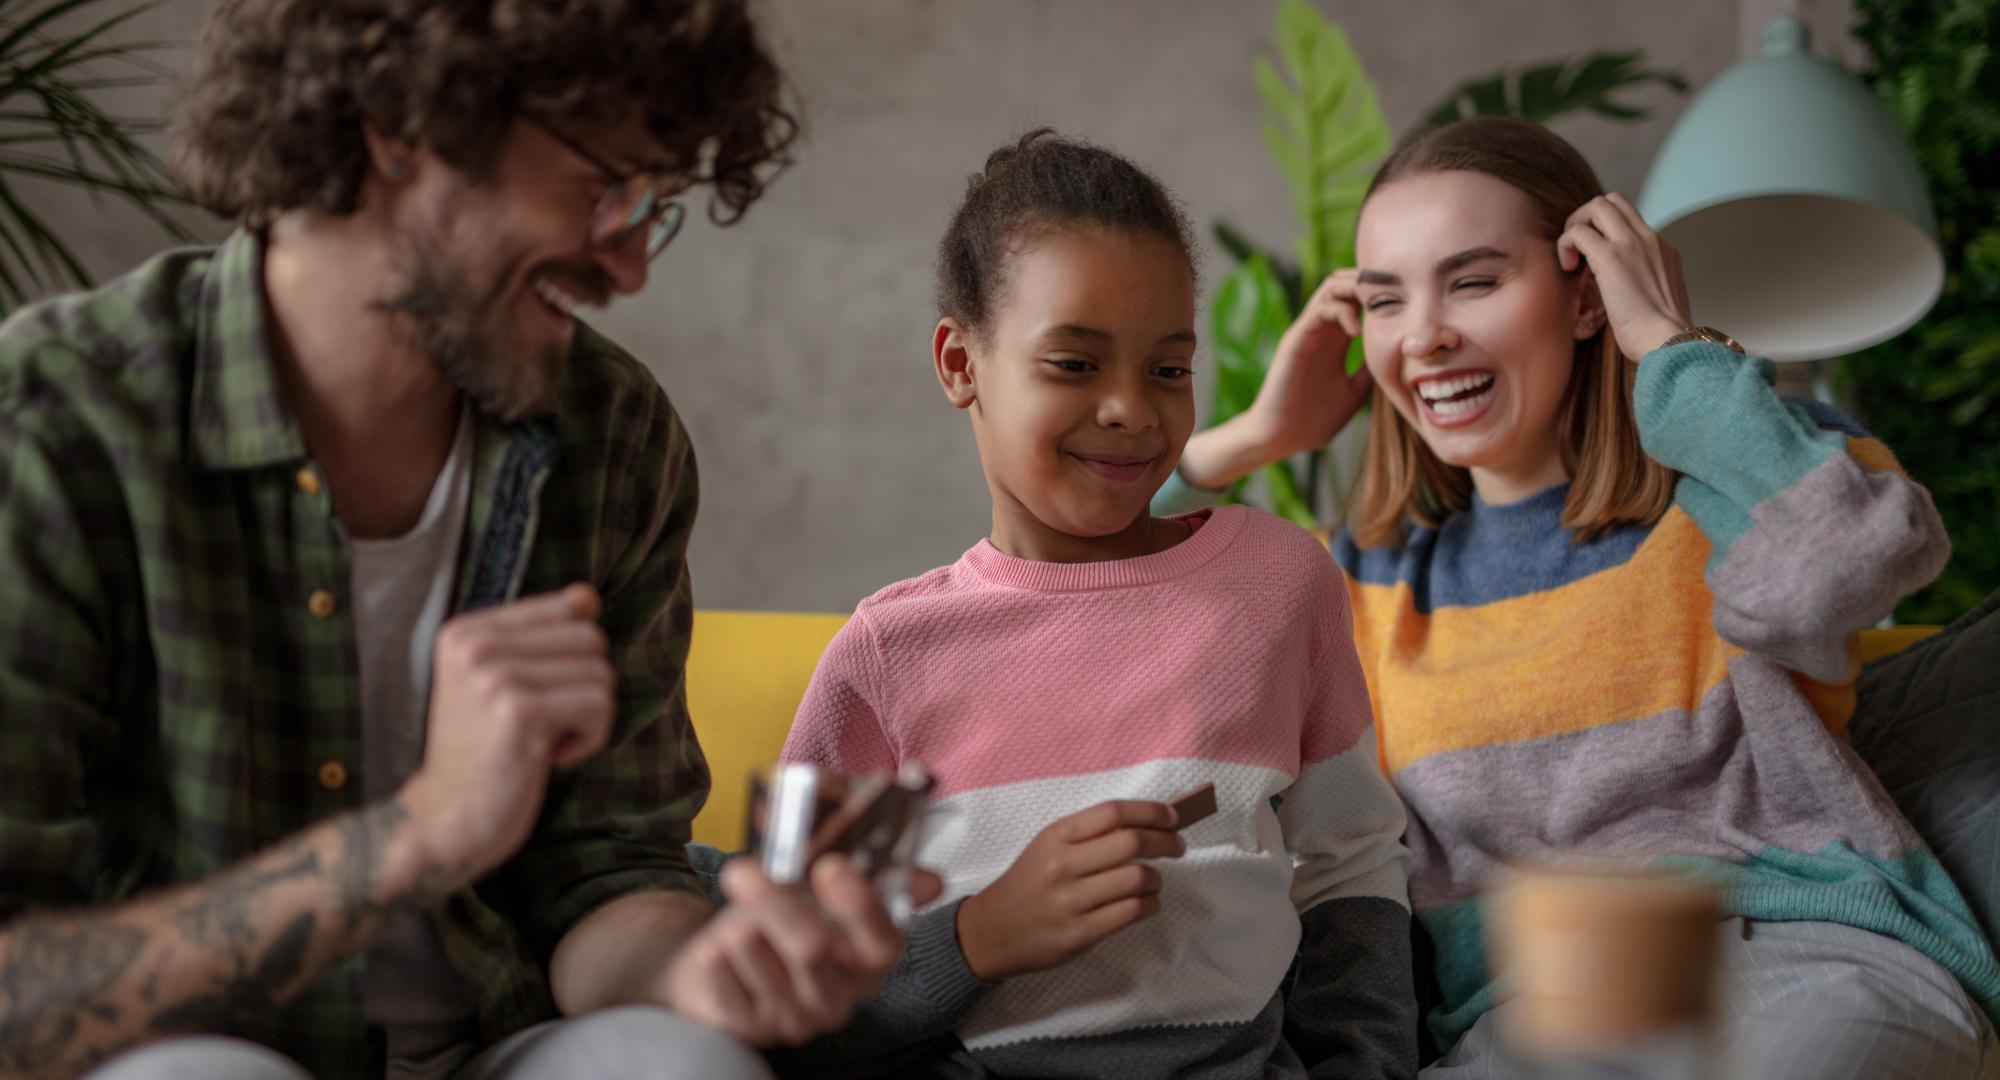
1638,274
1307,396
1075,884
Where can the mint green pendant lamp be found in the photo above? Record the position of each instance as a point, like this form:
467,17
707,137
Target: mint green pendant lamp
1799,213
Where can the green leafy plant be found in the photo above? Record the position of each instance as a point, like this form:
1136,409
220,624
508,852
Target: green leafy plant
1933,393
1541,92
1325,132
52,129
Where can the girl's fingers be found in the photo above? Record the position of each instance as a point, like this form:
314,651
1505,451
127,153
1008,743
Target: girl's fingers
1122,846
1117,883
1119,914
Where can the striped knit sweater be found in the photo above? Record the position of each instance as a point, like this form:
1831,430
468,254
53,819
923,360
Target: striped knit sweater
1033,690
1675,694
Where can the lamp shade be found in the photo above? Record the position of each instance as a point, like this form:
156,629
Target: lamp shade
1799,213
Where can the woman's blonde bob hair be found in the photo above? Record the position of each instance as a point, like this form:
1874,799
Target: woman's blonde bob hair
1613,482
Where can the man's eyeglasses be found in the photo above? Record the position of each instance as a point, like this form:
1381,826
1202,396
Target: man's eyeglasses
634,201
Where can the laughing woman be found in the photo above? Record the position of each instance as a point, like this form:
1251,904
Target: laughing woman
1606,589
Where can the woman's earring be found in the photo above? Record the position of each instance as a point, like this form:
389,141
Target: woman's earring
396,169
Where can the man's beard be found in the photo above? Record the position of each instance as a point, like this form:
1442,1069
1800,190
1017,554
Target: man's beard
444,311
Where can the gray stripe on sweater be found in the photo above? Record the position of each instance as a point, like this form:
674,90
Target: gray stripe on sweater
1823,558
1673,783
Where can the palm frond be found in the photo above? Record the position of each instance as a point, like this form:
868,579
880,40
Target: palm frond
52,129
1541,92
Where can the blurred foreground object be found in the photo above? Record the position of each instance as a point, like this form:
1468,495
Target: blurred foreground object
1608,975
801,812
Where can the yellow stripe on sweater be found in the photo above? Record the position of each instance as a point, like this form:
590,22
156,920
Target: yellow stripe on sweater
1874,455
1511,670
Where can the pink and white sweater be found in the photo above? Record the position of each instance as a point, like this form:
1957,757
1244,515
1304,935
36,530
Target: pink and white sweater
1032,690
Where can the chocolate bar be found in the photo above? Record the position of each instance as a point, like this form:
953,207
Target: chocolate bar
1192,805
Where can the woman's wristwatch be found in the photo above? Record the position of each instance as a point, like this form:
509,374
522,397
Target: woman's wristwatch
1704,333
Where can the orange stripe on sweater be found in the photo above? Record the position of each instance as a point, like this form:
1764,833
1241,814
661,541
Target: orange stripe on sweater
1515,669
1625,643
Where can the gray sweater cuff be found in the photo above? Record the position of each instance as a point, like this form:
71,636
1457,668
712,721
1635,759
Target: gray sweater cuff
934,970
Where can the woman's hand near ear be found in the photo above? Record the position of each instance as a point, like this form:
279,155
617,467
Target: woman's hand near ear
1306,399
1638,274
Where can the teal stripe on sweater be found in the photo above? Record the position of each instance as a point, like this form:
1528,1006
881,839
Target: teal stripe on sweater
1458,935
1909,898
1710,414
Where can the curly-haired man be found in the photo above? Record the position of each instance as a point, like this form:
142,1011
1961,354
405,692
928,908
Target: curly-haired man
341,711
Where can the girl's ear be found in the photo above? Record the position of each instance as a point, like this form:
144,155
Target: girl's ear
1587,307
951,352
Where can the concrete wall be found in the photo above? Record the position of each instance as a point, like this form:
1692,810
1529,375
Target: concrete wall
796,343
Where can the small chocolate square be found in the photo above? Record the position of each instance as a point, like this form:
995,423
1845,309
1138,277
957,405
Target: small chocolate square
1192,805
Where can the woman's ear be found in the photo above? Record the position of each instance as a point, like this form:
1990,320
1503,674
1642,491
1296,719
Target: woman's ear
1587,307
951,352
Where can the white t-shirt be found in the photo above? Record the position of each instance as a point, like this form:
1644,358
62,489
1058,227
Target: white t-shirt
402,590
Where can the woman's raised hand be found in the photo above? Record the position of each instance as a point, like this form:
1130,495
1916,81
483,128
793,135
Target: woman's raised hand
1308,396
1638,274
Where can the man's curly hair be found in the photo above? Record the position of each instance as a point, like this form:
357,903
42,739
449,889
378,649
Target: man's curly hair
282,88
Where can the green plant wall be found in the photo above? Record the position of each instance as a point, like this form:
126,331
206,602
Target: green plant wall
1933,393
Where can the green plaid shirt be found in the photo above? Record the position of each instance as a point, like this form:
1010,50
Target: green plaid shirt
179,685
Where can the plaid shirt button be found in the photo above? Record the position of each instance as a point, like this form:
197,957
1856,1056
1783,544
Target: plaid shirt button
308,481
333,776
320,603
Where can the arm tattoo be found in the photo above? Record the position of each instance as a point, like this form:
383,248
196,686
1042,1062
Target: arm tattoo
52,973
60,975
219,916
239,999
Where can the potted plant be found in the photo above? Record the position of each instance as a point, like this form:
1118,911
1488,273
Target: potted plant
52,129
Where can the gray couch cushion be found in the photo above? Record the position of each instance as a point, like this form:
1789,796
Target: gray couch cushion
1928,723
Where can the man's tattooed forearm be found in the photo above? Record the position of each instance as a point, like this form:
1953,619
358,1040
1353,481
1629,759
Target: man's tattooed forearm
53,974
238,1001
221,954
364,839
220,915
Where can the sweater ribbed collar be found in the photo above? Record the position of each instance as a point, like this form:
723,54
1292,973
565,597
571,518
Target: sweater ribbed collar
1214,530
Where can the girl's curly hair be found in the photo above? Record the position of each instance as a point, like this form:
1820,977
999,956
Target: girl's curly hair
282,88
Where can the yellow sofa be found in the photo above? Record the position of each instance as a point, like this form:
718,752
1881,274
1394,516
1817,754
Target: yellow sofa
747,672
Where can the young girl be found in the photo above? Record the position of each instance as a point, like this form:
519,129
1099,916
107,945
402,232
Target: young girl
1088,661
1607,606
